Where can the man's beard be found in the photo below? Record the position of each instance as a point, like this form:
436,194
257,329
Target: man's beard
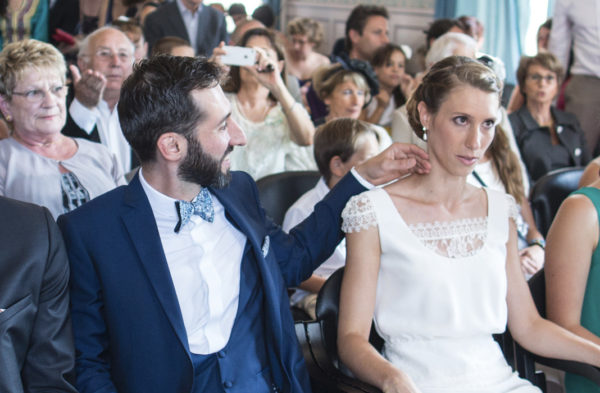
200,168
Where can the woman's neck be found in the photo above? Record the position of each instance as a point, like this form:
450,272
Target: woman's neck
55,146
252,94
540,112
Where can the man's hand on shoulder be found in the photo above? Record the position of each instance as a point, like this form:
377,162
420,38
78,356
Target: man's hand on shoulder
394,162
89,87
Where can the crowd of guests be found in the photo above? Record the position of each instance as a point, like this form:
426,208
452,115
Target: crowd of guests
128,126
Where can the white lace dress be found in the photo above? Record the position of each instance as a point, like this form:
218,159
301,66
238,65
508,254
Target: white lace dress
441,294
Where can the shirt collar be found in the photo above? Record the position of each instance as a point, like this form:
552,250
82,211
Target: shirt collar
184,10
163,206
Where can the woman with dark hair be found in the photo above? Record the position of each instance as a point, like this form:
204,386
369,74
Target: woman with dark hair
395,85
278,129
433,260
547,137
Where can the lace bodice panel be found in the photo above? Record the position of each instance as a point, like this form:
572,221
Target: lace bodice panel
452,239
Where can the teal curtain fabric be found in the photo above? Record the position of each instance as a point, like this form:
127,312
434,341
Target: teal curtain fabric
505,23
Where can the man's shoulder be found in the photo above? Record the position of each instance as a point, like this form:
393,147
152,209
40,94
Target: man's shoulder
24,212
161,12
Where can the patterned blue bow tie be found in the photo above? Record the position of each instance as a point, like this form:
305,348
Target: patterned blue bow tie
201,205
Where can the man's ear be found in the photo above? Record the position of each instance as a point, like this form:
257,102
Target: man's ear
337,167
171,146
354,35
424,115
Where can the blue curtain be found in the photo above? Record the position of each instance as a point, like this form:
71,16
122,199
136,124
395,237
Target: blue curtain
505,23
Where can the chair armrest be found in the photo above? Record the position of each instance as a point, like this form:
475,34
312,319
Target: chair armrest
321,367
583,369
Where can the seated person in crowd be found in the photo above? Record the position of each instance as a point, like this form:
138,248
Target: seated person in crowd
433,260
500,169
105,60
201,25
346,91
173,46
304,36
134,32
278,129
366,31
572,272
36,350
38,164
339,145
395,85
547,137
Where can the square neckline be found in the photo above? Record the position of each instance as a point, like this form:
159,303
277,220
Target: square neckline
422,245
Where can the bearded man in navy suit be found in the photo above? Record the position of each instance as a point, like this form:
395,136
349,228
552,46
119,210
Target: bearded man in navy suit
164,300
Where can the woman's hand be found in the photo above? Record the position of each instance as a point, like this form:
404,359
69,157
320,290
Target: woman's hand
268,72
383,98
532,259
219,51
407,85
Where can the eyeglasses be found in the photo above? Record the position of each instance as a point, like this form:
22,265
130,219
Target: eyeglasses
107,55
538,78
35,96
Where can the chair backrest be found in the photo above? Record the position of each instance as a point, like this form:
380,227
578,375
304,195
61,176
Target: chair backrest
327,310
548,193
279,191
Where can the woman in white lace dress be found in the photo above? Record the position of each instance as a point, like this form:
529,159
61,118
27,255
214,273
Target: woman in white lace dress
434,260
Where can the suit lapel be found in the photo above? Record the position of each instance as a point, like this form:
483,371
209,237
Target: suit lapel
174,17
139,220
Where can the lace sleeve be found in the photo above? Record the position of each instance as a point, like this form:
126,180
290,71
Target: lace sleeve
513,209
358,214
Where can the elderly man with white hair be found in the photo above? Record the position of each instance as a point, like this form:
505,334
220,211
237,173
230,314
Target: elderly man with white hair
105,60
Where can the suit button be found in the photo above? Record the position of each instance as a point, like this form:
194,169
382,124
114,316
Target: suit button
227,384
221,354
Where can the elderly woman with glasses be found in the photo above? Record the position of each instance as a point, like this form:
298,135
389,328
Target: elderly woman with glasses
547,138
37,163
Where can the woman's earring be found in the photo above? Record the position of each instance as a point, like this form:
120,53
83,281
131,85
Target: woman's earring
425,133
8,118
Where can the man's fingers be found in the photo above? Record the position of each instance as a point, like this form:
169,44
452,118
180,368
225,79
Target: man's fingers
75,73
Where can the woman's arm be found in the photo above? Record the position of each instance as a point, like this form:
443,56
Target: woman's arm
302,129
532,257
591,173
357,304
571,242
534,333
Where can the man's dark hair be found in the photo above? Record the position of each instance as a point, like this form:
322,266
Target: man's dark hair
358,19
265,15
439,27
156,99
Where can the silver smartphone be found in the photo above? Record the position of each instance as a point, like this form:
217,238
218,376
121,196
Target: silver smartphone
238,56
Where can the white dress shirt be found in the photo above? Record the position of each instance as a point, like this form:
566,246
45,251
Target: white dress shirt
109,129
301,209
190,19
577,21
204,260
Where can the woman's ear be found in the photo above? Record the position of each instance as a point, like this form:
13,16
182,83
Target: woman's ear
5,107
171,146
424,115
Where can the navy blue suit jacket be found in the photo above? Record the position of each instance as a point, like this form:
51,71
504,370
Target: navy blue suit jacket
129,332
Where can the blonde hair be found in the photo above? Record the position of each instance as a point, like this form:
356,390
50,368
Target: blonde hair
327,78
308,27
20,56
